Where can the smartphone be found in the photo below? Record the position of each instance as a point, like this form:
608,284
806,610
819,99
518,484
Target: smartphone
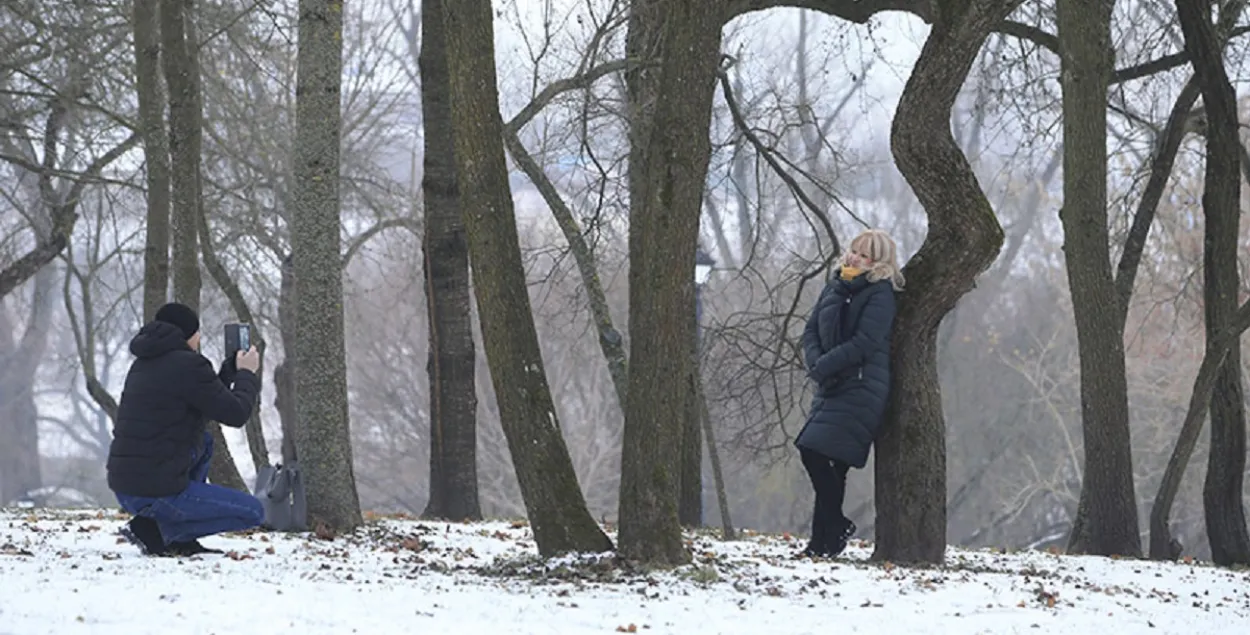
238,338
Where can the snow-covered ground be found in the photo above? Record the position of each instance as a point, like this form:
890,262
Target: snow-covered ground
68,572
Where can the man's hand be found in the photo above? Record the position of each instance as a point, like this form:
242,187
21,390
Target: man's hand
227,372
248,360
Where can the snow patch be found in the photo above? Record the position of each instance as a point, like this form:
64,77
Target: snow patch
67,572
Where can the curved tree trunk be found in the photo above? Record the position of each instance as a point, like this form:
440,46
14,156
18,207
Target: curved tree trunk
452,361
553,499
963,240
1162,545
254,430
1222,492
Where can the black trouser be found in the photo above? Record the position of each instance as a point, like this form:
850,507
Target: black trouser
829,481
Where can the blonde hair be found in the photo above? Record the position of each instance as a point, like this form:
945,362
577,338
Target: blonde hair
877,245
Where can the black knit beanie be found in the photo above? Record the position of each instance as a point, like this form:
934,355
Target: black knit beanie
181,316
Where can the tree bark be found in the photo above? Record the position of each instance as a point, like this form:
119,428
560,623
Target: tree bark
668,174
156,155
1222,492
1162,545
452,358
1106,522
185,134
324,435
553,500
964,238
20,356
182,77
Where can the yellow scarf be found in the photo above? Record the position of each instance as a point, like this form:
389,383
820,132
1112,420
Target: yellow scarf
849,273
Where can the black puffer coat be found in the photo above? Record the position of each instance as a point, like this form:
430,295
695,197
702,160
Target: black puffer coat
171,392
847,350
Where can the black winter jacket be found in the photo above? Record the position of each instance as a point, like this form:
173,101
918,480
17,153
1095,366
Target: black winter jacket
846,346
171,392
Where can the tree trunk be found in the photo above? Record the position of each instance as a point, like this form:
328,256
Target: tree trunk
964,238
452,359
1162,545
611,344
324,435
1222,492
185,119
553,500
182,77
254,429
156,155
669,174
1106,522
20,469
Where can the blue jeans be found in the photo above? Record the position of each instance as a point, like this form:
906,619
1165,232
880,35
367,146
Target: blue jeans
201,509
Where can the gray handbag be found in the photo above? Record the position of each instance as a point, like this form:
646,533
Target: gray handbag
280,490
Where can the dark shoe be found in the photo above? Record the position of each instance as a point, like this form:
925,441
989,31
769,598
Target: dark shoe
843,540
144,533
189,548
812,551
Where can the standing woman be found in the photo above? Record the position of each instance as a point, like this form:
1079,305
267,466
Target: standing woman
846,347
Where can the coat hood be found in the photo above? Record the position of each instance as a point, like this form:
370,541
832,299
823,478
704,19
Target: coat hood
156,339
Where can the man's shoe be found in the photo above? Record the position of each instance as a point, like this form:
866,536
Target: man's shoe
189,548
145,534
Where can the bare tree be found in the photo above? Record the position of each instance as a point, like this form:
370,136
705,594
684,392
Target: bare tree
452,358
1222,494
963,240
1106,522
147,32
671,108
180,58
324,440
553,499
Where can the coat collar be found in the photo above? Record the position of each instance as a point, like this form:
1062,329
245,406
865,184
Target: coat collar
858,283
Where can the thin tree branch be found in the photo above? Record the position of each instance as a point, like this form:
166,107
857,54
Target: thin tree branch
359,241
768,155
1168,144
610,340
559,87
